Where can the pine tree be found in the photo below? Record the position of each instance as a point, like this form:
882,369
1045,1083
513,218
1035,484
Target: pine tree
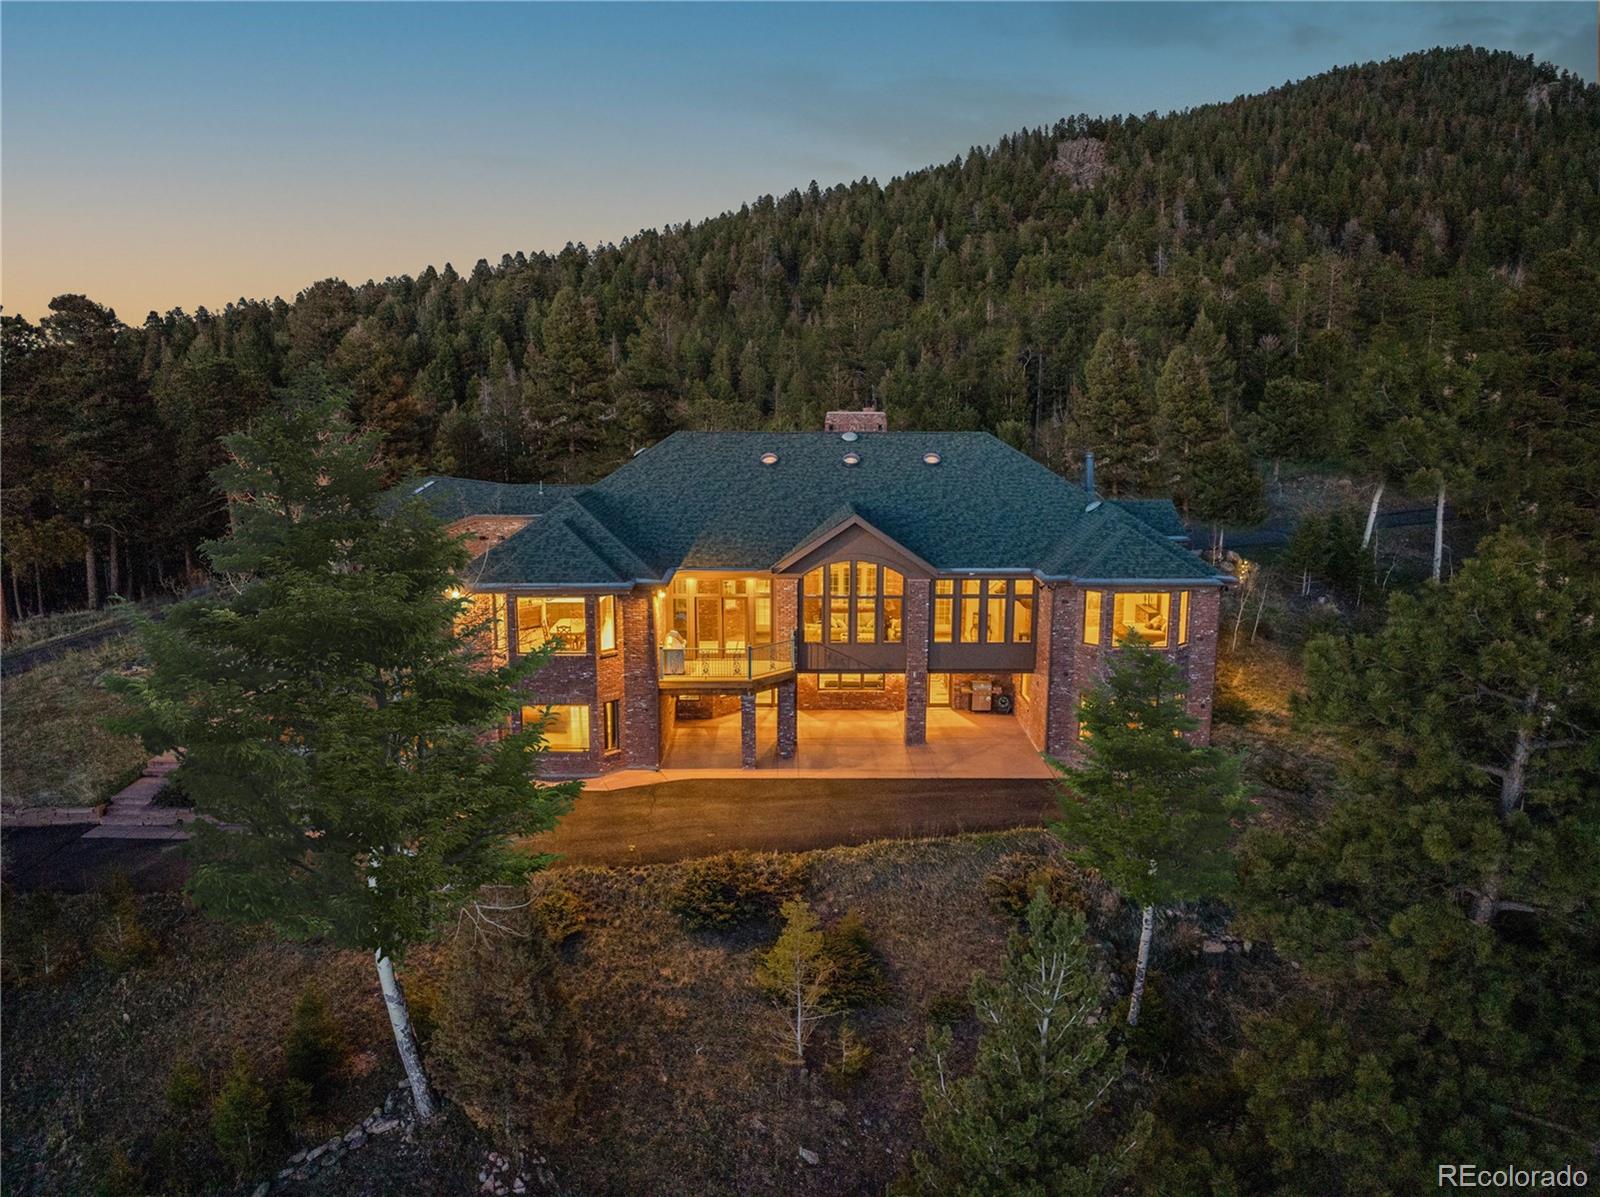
1444,913
1023,1121
1113,415
329,721
1145,806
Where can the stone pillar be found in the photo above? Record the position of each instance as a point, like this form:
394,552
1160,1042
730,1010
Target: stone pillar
917,632
747,729
788,737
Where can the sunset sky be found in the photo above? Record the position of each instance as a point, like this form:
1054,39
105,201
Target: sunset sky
160,156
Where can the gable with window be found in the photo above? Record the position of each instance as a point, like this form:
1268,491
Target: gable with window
853,602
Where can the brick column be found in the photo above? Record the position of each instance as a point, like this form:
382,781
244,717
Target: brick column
788,735
747,729
917,632
1205,604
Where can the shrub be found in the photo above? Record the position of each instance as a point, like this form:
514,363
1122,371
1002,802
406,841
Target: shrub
505,1044
1018,876
857,978
120,1177
186,1089
560,912
948,1008
123,941
797,976
314,1051
40,947
240,1117
1232,709
725,891
850,1056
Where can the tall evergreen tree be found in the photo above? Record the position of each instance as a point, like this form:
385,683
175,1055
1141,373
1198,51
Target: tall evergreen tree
330,722
1025,1120
1113,415
1145,806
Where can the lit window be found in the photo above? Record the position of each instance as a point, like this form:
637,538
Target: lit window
943,619
866,621
839,621
811,607
866,579
1022,612
839,578
893,625
613,725
542,620
566,728
971,612
1183,617
1091,617
994,631
499,623
1145,615
850,681
607,609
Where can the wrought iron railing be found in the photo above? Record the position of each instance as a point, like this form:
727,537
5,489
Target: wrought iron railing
737,664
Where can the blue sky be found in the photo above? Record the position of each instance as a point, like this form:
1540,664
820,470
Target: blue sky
170,155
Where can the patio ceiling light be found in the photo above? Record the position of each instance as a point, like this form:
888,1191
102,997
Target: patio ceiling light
852,458
769,458
931,458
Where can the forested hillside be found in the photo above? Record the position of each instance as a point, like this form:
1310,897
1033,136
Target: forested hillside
1391,266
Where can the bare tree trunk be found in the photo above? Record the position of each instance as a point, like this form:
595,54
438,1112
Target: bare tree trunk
1512,783
1438,534
405,1038
91,571
114,568
1146,933
38,590
1255,625
5,611
1372,516
16,594
1238,620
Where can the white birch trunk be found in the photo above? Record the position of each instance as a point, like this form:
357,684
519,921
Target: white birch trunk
1438,535
1372,516
1146,933
405,1038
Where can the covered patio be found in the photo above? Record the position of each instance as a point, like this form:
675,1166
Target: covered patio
842,744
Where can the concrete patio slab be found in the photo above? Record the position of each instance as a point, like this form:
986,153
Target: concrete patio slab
846,744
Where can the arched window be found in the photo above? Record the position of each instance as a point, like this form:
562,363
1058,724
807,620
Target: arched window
853,602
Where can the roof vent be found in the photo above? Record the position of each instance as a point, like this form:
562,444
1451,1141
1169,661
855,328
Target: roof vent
424,486
848,436
769,458
852,458
931,458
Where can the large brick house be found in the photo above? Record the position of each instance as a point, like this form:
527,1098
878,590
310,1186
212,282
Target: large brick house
716,574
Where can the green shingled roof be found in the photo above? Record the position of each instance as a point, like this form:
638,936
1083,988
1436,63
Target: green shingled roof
1160,514
456,498
704,500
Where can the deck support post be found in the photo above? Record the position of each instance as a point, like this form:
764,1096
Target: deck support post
788,732
747,729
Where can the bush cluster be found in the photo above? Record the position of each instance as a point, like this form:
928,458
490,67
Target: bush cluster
856,978
725,891
1018,876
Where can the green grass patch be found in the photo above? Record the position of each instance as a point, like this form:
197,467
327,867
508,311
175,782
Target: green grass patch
56,750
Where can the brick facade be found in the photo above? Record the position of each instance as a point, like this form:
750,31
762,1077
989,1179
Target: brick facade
1064,668
916,679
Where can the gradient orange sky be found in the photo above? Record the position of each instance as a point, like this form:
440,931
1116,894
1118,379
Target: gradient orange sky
160,156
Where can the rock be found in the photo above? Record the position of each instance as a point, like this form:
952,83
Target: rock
298,1157
356,1138
315,1152
262,1189
1213,947
810,1157
836,1108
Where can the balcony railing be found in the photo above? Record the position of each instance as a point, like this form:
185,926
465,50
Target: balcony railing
750,663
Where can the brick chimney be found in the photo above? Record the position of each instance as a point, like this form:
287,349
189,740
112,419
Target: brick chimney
856,421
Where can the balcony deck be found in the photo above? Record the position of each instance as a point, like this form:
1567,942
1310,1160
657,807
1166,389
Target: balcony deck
752,668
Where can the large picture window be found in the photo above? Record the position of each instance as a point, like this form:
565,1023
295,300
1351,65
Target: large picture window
566,727
718,614
986,611
864,603
1145,615
542,620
